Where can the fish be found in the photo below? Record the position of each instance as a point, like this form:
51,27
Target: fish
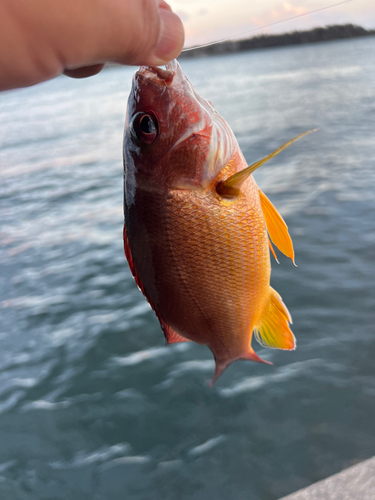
198,230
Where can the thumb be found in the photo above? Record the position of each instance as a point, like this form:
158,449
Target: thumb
131,32
44,38
171,36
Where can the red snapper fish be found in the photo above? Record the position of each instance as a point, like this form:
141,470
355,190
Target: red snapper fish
197,227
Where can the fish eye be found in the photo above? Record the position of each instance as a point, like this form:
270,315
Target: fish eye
144,128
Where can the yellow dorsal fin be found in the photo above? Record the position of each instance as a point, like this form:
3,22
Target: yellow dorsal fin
231,187
274,330
277,229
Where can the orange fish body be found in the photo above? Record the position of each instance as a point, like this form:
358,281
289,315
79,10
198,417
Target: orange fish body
196,224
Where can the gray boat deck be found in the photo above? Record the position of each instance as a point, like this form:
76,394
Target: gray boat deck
355,483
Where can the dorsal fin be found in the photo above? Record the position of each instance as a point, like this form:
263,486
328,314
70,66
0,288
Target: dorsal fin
170,335
231,187
276,227
133,270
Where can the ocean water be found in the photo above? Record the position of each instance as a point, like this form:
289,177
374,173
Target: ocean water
93,405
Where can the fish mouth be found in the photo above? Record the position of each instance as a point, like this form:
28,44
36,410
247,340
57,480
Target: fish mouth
163,77
159,76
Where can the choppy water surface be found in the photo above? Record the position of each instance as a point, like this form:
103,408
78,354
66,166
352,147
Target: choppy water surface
92,404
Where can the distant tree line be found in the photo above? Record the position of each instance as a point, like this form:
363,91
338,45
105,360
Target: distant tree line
335,32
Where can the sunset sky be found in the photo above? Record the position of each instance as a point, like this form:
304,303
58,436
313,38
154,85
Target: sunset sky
209,20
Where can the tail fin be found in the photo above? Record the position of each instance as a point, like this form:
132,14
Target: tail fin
220,367
252,356
274,330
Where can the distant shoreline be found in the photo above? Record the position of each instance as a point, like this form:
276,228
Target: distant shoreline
335,32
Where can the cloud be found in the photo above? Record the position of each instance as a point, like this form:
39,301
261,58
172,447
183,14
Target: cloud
297,11
183,15
202,12
209,20
284,11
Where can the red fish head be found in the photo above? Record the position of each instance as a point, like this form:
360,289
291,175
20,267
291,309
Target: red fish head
174,139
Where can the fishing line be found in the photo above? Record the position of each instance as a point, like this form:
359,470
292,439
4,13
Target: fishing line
262,27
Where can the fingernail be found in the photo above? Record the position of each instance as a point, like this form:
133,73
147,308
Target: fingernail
171,38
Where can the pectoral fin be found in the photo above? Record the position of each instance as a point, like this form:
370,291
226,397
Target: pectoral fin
231,187
274,330
277,229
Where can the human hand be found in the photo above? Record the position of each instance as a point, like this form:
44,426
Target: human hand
40,39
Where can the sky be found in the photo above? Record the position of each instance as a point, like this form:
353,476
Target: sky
209,20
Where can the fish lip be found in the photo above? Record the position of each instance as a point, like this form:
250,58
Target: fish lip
163,77
157,75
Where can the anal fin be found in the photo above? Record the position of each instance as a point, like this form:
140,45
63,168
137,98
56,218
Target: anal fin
274,330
